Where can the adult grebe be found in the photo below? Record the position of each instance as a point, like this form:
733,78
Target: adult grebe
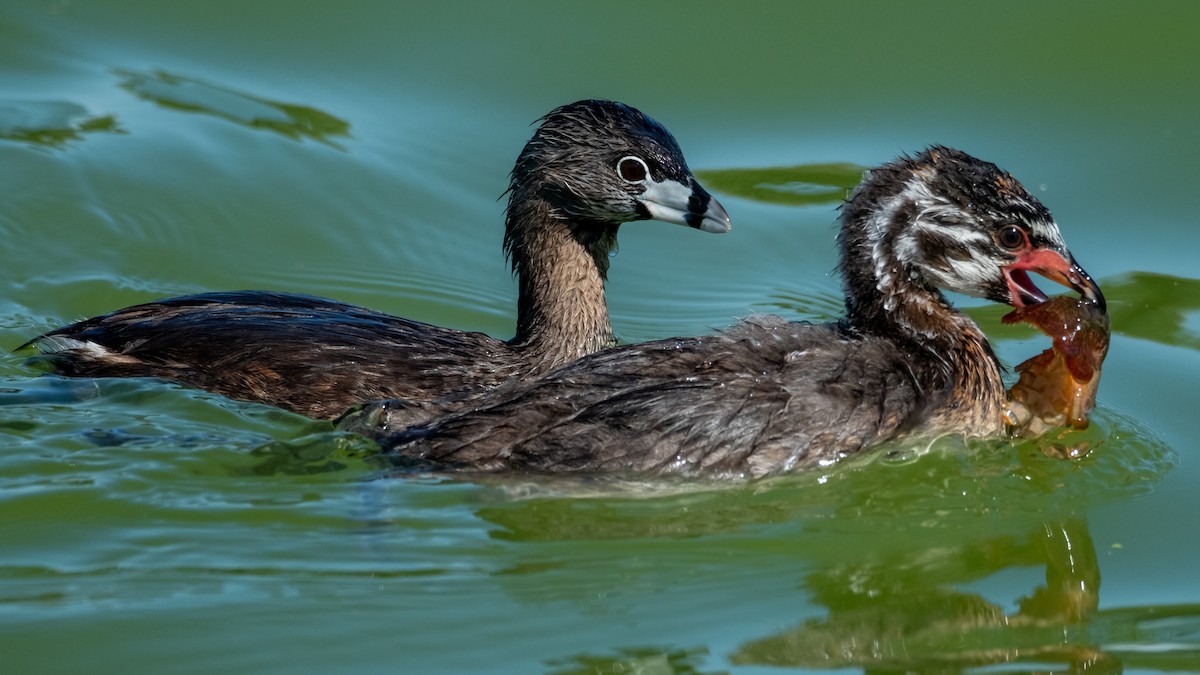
590,166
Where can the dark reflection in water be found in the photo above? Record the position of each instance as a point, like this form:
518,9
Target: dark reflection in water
51,124
648,660
190,95
885,548
953,482
900,612
320,451
897,614
801,185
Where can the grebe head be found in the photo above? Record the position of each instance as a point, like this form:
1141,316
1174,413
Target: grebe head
946,220
606,163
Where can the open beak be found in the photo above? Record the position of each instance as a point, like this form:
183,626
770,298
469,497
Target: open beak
1055,267
673,202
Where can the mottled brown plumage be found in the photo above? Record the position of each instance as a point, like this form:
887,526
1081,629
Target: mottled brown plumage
589,167
768,396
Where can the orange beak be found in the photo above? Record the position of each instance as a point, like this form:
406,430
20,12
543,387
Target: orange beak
1055,267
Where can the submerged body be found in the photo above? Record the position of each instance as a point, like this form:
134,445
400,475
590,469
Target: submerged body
764,397
302,353
590,166
769,396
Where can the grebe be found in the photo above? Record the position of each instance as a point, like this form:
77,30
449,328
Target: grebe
590,166
768,396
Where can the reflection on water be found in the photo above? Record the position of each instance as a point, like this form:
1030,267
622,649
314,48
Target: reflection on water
899,613
57,123
812,306
961,481
190,95
884,548
646,660
1152,306
1143,305
51,123
321,451
801,185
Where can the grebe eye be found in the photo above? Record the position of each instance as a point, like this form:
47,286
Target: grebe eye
632,169
1011,237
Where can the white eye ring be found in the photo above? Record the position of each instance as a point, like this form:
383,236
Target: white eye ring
632,169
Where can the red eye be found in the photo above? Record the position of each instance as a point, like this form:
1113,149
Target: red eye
632,169
1011,237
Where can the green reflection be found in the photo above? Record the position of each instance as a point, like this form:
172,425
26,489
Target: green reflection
658,661
884,546
1143,305
900,612
800,185
321,451
190,95
885,495
1154,307
51,123
817,307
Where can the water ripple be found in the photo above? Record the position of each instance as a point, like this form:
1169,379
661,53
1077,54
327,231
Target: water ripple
185,94
51,124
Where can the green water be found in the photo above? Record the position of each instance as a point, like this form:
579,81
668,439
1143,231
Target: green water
357,150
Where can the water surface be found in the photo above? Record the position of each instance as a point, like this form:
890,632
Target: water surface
358,152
